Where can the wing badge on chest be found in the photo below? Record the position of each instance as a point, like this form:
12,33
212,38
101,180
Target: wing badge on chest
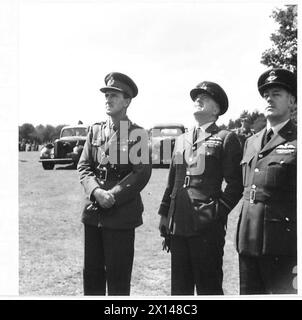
286,149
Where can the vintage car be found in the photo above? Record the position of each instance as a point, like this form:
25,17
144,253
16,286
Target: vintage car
67,149
162,138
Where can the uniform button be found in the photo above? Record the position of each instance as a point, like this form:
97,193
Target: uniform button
281,162
188,172
256,170
286,219
288,229
260,156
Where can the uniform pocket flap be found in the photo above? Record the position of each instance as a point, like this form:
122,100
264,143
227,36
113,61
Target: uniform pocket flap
282,159
96,142
247,158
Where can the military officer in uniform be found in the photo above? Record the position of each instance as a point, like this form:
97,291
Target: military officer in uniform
195,205
266,235
112,183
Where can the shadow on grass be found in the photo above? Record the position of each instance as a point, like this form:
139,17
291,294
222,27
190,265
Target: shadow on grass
69,167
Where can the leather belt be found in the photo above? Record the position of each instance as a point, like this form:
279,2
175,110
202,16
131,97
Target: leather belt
195,182
108,174
192,181
254,195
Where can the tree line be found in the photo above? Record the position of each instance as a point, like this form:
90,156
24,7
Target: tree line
40,134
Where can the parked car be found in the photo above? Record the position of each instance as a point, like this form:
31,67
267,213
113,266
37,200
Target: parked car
162,138
67,149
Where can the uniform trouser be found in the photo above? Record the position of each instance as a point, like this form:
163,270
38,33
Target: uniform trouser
108,259
197,262
267,275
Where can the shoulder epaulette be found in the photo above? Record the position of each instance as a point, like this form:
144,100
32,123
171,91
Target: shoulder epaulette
96,129
99,123
133,124
222,133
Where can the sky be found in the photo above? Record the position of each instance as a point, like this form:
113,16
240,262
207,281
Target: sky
66,48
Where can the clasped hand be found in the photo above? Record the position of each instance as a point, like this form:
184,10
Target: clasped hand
104,198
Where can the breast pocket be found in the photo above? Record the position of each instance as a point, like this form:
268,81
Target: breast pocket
277,168
212,151
96,142
97,150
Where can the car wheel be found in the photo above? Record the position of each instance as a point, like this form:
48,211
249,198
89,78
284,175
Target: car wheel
48,166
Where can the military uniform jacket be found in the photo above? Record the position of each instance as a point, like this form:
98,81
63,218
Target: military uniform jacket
124,179
267,223
190,186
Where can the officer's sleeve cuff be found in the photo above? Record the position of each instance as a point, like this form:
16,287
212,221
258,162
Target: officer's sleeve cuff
163,209
90,189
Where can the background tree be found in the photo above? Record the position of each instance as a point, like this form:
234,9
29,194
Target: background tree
39,134
259,123
49,133
26,131
254,122
283,53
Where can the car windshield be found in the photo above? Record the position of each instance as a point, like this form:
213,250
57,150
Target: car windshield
73,132
166,132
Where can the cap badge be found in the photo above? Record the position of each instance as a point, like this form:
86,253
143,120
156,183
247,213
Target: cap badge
110,82
204,87
272,76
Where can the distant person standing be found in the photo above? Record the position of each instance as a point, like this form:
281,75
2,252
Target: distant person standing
267,228
112,183
244,131
196,203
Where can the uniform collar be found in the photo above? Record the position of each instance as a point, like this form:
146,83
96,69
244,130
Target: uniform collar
116,127
277,127
287,132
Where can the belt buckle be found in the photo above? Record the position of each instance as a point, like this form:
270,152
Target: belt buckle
253,194
186,181
103,172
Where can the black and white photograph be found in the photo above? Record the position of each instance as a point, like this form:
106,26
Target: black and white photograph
153,149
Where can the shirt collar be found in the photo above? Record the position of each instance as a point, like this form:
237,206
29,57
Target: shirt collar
112,126
205,126
277,127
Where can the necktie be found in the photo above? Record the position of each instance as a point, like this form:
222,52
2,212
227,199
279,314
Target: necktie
196,134
268,136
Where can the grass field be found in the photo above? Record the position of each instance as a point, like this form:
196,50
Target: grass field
51,235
